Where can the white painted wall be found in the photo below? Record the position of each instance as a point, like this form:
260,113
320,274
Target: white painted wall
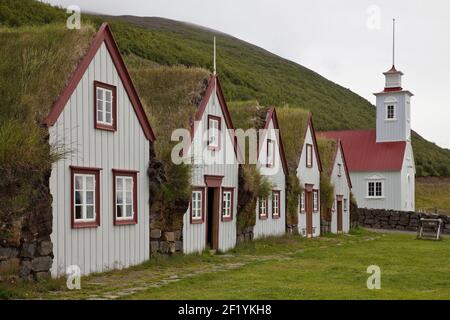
107,247
194,235
408,178
342,188
309,176
276,176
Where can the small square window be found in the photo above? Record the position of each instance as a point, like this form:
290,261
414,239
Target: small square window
214,127
197,205
270,153
276,204
375,189
125,193
390,112
227,204
105,106
262,208
309,156
85,197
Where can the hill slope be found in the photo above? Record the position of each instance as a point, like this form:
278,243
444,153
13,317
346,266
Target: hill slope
247,72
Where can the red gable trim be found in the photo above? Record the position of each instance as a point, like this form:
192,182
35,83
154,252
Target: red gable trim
214,83
272,115
103,35
313,134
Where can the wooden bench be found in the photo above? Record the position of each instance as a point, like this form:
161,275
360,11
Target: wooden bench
430,229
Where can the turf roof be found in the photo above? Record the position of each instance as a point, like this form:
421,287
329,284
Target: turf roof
327,150
33,56
171,97
293,123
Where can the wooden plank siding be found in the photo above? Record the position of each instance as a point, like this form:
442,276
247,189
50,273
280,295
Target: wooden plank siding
106,247
194,235
276,176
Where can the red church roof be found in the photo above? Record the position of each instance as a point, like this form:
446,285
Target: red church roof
363,153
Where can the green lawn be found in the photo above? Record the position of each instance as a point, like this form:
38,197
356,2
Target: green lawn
332,267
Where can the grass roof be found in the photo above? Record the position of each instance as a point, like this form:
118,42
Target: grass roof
248,114
35,64
171,97
327,150
293,123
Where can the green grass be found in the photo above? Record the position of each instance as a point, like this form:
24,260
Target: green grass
290,267
433,194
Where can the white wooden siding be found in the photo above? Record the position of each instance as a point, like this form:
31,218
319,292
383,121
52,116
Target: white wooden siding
309,176
194,235
107,247
275,175
341,187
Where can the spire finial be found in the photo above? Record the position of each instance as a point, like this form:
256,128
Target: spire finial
215,63
393,42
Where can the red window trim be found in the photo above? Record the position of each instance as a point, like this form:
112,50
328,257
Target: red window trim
202,219
125,173
230,218
100,126
261,217
85,170
276,216
270,165
309,155
219,119
315,191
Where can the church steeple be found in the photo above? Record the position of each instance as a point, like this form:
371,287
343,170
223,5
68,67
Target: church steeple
393,106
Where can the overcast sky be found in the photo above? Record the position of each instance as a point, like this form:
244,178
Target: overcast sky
348,42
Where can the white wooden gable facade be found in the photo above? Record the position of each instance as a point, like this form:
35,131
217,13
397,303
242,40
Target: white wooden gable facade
100,188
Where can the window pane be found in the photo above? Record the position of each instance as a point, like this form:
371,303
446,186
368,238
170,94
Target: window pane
108,96
99,93
129,210
78,212
89,183
99,115
129,197
89,212
89,197
119,197
78,182
108,118
100,106
128,184
119,212
119,182
78,197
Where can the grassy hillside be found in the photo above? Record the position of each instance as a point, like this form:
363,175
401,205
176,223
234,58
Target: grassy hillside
247,72
433,194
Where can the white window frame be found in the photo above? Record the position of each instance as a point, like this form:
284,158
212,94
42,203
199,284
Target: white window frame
276,204
345,205
302,201
124,193
227,197
197,205
375,184
213,132
103,111
262,209
315,200
339,169
270,152
309,155
84,190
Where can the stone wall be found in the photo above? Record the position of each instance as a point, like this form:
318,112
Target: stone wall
397,220
165,243
244,235
26,249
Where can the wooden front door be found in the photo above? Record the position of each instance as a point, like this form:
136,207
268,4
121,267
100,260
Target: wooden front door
212,224
309,213
339,216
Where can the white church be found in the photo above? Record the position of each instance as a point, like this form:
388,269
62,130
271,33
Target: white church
381,161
